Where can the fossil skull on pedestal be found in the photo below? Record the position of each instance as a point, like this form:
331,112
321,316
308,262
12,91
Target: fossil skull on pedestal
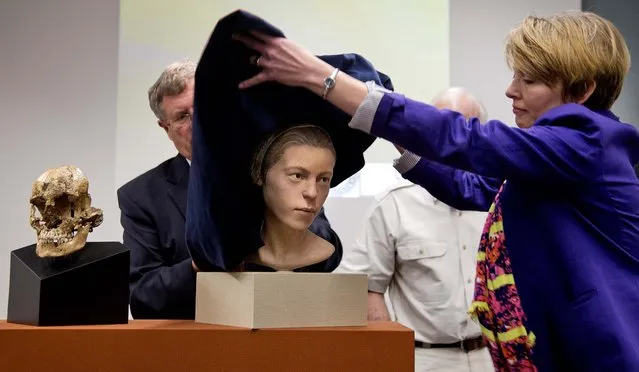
61,211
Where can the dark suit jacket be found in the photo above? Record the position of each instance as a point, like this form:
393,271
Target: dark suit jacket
153,207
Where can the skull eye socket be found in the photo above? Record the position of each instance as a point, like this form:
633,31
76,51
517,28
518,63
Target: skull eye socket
38,201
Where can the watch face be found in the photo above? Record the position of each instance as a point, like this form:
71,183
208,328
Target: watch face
328,82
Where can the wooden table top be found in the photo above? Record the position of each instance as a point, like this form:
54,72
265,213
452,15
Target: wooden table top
372,326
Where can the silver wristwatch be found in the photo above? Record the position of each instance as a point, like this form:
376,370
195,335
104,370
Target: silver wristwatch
329,83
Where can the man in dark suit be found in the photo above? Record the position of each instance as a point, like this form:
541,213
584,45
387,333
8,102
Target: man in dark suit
153,207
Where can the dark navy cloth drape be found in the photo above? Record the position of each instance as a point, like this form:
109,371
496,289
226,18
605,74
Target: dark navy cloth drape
224,209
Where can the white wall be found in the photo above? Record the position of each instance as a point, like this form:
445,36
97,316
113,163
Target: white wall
59,68
149,42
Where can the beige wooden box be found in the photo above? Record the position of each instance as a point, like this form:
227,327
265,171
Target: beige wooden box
281,299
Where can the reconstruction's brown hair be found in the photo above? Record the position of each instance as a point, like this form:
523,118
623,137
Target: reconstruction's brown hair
574,49
271,151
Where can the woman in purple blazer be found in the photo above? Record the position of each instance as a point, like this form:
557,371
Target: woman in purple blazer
557,284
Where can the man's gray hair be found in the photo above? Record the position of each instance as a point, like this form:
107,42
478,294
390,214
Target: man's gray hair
172,81
461,100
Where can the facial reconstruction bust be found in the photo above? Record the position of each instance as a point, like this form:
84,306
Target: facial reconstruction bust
294,169
61,211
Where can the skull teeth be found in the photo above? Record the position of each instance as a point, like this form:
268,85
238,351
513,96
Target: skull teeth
56,237
55,241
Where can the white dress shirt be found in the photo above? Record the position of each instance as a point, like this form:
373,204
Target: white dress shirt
424,253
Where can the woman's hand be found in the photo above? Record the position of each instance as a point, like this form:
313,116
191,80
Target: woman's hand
284,61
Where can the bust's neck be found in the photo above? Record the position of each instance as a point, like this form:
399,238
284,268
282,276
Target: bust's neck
281,240
286,249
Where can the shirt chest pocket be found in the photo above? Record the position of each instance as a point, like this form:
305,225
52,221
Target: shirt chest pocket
421,249
429,269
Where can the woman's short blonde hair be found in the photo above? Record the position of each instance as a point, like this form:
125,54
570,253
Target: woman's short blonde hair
573,49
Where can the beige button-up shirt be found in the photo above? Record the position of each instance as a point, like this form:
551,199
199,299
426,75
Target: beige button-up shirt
424,253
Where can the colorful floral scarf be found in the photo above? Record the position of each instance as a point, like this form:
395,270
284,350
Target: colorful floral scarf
497,306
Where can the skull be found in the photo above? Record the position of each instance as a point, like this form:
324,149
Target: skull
61,211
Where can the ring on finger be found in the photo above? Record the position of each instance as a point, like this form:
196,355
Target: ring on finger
255,60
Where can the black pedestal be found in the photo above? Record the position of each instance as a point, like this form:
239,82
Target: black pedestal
88,287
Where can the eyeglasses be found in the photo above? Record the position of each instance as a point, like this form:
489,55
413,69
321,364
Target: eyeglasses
181,121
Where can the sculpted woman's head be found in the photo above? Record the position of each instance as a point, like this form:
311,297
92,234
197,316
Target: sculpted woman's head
294,168
576,57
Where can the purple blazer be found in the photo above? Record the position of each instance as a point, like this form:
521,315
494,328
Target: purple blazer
570,210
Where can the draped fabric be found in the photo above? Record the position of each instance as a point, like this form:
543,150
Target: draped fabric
224,208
